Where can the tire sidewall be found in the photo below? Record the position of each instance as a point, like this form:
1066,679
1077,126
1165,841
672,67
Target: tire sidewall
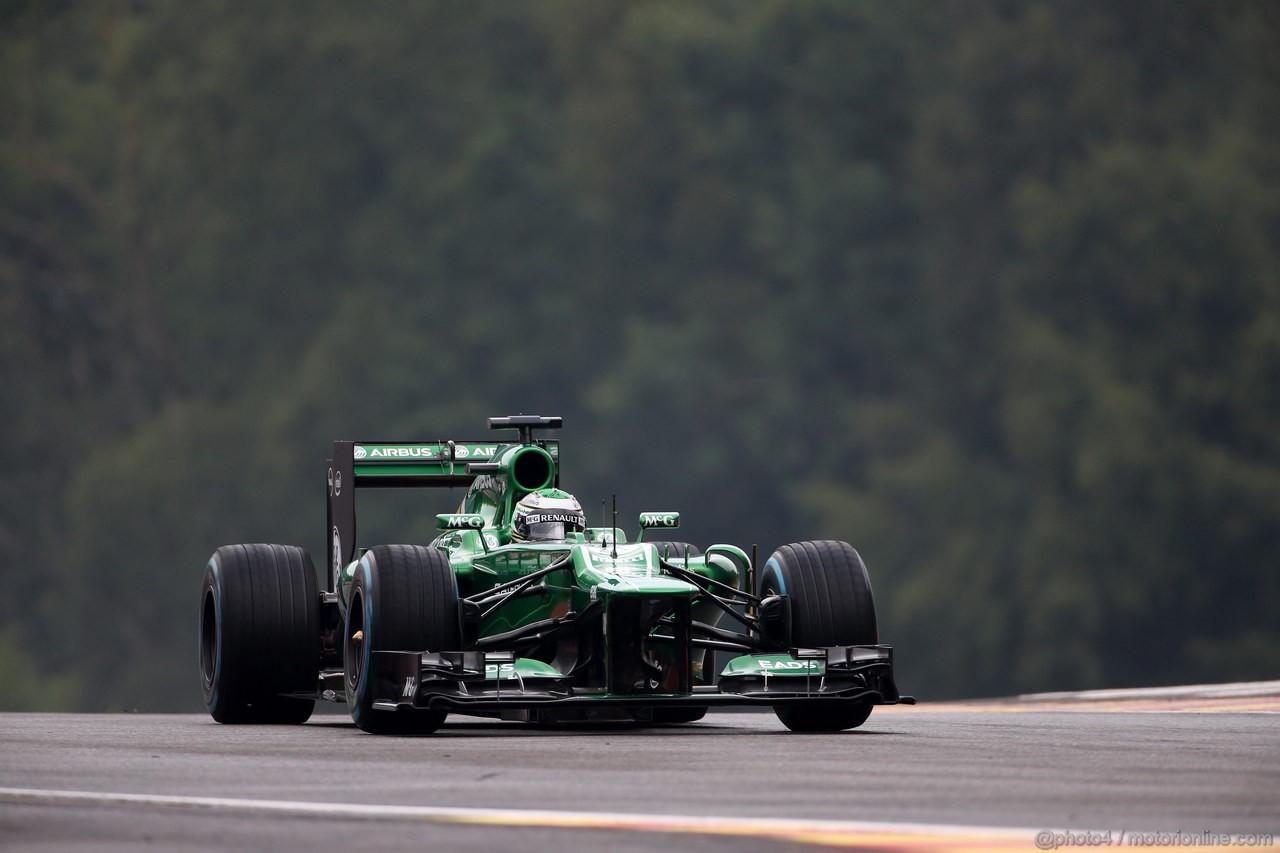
809,574
360,693
259,634
371,584
771,578
211,682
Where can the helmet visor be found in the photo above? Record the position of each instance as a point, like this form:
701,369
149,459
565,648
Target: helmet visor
552,526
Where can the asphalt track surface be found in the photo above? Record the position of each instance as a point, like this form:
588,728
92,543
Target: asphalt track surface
983,776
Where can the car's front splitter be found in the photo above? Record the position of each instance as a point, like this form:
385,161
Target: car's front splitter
469,682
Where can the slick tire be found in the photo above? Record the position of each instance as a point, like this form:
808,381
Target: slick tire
259,634
831,605
829,716
674,552
679,715
403,598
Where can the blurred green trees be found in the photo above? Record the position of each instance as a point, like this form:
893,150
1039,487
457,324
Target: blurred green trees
991,290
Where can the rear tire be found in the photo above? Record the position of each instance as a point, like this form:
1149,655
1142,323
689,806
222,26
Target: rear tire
831,605
674,552
259,634
403,598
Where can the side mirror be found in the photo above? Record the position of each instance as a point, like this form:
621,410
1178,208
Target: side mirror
459,521
650,520
661,520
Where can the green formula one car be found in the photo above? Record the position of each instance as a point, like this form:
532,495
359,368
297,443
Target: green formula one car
519,610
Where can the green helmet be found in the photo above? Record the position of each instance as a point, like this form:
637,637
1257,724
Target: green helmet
547,515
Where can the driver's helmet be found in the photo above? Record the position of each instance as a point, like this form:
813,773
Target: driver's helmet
547,515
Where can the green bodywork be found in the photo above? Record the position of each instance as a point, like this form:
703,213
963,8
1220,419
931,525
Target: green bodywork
602,566
593,573
594,626
494,619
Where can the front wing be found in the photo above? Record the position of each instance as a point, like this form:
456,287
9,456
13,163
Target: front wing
498,683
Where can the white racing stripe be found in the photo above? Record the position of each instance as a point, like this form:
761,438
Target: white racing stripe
868,835
848,833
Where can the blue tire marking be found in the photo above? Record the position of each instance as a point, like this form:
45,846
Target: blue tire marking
777,573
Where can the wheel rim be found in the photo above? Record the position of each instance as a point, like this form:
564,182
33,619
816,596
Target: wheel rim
208,638
354,648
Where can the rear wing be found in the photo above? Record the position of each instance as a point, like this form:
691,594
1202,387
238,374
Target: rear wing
397,464
389,464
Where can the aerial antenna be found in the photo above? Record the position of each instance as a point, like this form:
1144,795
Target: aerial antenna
615,526
604,522
751,576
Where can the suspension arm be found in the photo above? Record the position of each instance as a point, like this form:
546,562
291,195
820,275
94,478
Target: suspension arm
515,587
699,580
749,621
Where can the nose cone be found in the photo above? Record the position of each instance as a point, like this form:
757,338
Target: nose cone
636,570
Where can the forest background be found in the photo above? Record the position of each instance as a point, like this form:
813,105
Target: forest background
989,289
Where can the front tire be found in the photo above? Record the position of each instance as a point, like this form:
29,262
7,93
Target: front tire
403,598
831,605
259,634
833,715
679,715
